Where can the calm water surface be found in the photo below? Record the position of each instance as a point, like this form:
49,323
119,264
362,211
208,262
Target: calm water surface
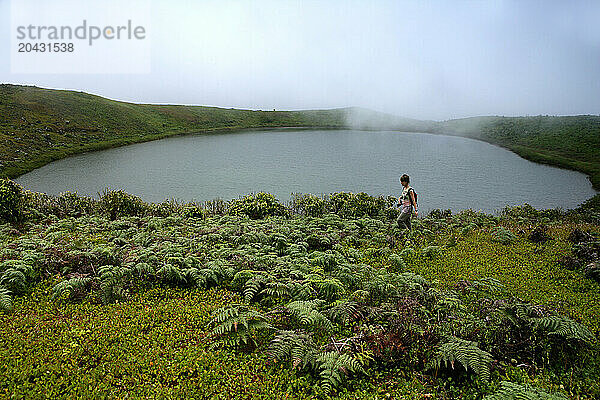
447,171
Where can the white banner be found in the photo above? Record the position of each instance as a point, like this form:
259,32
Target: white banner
74,36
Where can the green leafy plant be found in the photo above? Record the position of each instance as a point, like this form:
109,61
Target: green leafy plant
257,206
515,391
238,324
117,204
307,313
563,327
503,235
466,352
71,288
296,346
334,367
6,304
11,201
112,282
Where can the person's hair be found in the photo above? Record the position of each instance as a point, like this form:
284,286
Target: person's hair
405,178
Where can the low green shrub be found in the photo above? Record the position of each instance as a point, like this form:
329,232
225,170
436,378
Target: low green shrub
192,210
11,201
308,205
117,203
358,205
257,206
503,235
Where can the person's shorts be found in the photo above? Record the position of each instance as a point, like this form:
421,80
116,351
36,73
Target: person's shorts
404,217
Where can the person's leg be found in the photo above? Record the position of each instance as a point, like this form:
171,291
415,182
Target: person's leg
404,221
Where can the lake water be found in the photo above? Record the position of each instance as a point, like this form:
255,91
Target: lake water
446,171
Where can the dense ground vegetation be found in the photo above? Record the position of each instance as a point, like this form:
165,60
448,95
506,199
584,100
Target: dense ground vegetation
319,297
41,125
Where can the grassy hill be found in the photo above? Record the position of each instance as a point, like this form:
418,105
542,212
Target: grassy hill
41,125
569,141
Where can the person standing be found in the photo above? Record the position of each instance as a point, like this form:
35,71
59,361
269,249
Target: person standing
406,201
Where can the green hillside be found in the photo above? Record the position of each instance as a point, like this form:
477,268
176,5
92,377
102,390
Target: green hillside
570,141
40,125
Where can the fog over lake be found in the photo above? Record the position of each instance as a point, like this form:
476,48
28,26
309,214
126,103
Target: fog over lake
446,171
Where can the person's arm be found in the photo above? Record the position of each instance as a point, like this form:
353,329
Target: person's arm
414,203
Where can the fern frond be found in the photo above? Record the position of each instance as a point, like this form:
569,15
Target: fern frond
143,270
503,235
488,286
112,280
221,268
70,287
302,290
432,251
308,315
203,278
6,304
277,290
241,277
330,288
296,346
515,391
14,279
254,286
556,325
237,324
397,262
466,353
520,313
342,311
334,367
413,282
564,327
170,273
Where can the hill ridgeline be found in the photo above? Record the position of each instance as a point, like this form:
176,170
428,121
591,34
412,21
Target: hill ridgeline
40,125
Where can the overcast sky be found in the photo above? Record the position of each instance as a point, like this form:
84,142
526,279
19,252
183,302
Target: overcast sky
419,59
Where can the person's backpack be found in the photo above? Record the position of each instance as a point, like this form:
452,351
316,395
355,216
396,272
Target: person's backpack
415,193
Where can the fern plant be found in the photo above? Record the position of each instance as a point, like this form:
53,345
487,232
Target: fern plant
238,324
6,304
254,286
563,327
554,324
466,353
397,262
306,311
203,278
342,311
334,367
275,291
515,391
330,288
171,274
14,279
112,282
71,288
297,346
503,235
143,270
